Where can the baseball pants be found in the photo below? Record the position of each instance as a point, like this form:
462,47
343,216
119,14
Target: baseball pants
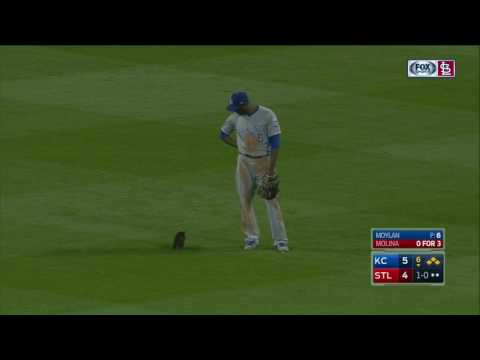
249,175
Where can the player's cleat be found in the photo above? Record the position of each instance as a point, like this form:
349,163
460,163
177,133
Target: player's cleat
250,244
281,246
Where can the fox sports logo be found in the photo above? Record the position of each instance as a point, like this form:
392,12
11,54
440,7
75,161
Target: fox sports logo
422,67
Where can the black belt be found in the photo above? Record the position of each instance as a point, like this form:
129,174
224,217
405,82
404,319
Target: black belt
254,157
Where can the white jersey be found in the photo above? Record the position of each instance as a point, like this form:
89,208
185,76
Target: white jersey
253,130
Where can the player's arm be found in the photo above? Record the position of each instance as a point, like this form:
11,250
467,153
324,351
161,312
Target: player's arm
273,131
225,131
274,142
227,139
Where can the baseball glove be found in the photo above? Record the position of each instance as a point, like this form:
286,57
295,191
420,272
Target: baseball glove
269,187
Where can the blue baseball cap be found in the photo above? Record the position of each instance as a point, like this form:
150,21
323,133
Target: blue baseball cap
237,99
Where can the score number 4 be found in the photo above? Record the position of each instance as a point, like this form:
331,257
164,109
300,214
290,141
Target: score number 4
404,273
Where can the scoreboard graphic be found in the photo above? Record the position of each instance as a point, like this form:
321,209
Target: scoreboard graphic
413,256
388,238
424,268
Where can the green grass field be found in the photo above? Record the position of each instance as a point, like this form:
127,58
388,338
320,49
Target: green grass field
107,152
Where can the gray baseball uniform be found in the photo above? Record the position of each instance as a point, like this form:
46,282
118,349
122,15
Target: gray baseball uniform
253,161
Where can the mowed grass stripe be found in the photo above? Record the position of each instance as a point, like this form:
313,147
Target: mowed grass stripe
148,91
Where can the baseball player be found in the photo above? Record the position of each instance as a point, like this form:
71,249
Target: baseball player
258,142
